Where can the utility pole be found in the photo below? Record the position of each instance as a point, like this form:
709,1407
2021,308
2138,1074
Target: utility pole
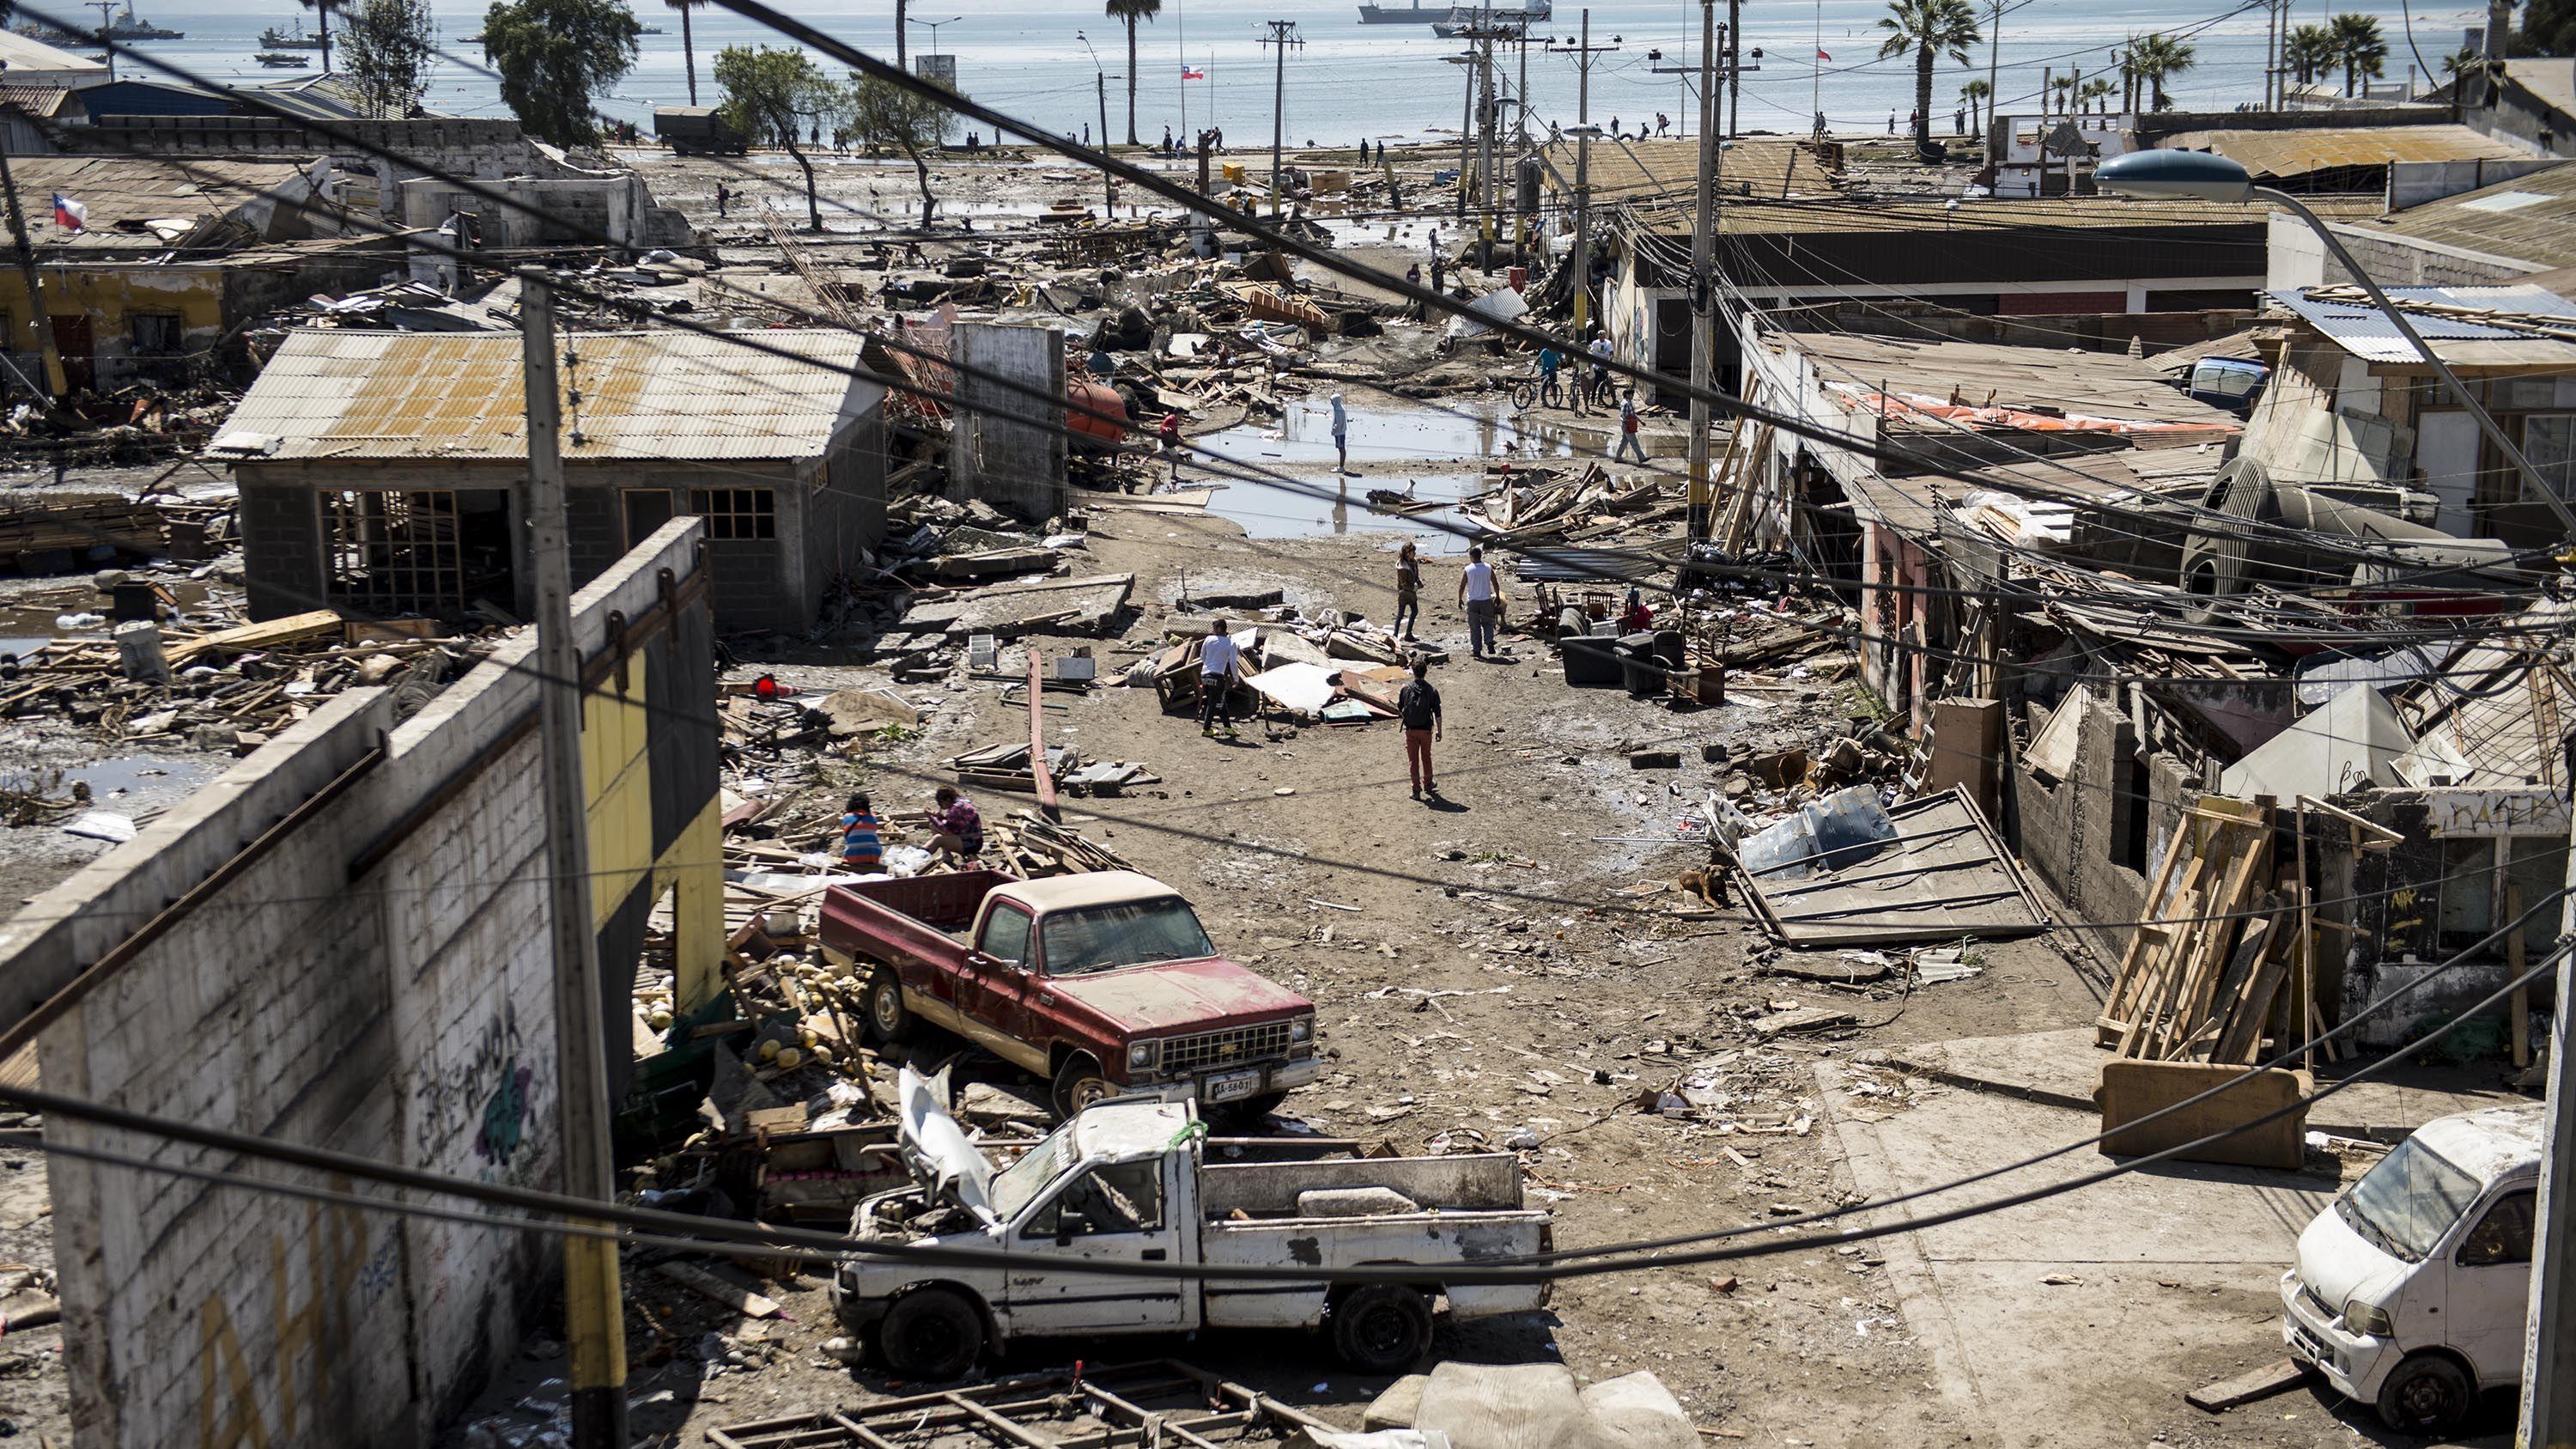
1283,34
1485,144
1703,288
594,1315
106,21
1994,89
1466,129
1581,261
1734,63
55,382
2548,1411
1108,178
1520,152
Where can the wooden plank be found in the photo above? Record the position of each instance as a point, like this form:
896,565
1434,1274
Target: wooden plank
2122,985
2211,945
723,1290
249,638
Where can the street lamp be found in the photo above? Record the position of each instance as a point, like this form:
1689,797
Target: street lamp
934,28
2206,176
1100,76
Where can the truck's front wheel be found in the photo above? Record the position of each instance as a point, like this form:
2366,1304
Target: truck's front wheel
888,1017
932,1334
1079,1083
1382,1328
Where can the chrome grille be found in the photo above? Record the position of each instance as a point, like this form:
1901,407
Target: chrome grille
1217,1050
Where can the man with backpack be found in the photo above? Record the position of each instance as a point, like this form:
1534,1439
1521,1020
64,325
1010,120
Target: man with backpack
1418,707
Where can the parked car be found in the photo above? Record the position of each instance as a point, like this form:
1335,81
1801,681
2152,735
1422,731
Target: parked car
2412,1289
1137,1182
2232,383
1104,984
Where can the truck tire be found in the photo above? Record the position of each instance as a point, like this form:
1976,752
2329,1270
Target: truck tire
1079,1083
932,1334
1253,1109
889,1020
2426,1394
1382,1328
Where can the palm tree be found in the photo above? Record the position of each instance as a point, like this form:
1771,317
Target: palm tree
689,43
1975,93
2062,89
2156,57
1928,28
2462,61
1132,11
322,10
2309,52
2359,47
2098,92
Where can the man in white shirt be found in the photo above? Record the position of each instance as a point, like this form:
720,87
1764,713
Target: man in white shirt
1220,660
1482,600
1600,350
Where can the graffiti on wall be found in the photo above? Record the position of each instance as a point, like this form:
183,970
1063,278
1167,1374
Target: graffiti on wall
2489,813
482,1094
341,1281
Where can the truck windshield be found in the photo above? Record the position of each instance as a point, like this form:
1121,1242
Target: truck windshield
1024,1179
1085,939
2405,1204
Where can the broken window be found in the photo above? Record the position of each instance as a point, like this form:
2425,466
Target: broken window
1124,1197
736,513
394,551
2549,441
156,334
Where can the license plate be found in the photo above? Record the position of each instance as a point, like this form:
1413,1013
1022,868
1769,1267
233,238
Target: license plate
1231,1086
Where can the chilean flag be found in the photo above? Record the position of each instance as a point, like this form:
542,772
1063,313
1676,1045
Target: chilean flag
1189,73
70,215
1820,55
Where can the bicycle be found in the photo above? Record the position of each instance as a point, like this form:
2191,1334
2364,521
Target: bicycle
1523,394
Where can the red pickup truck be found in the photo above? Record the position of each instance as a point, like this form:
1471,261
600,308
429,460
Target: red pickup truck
1104,984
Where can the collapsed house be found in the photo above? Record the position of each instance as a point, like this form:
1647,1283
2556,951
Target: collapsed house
386,471
169,259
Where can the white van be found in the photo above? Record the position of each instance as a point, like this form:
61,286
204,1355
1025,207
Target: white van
2412,1289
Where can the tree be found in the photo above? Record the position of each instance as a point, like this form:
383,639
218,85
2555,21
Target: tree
2155,58
1928,28
1132,11
883,114
556,58
322,12
2061,90
2309,52
688,44
386,46
1975,93
2359,47
771,96
2548,28
2097,91
2462,61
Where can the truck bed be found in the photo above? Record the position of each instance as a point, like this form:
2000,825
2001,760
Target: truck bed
1479,1182
1433,1239
926,916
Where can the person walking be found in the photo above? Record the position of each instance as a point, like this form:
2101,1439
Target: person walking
1341,436
1220,660
1417,706
1628,425
1600,387
724,199
862,848
957,827
1167,440
1408,591
1482,602
1167,140
1439,274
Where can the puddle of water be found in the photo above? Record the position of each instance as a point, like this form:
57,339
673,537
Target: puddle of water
141,773
1277,513
1467,433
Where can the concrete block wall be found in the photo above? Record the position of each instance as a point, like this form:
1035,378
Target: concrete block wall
403,1011
2081,833
281,527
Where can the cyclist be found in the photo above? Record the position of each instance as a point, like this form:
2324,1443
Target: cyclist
1548,362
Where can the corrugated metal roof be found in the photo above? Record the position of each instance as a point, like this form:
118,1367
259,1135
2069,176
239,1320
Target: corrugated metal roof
1759,215
2326,148
39,101
124,193
25,52
1669,170
2361,329
339,393
2531,218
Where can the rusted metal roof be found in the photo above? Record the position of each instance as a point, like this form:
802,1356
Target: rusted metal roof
339,393
2530,219
1668,171
42,102
140,202
1759,215
2275,154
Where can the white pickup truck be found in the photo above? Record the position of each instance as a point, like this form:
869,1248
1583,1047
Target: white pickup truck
1128,1182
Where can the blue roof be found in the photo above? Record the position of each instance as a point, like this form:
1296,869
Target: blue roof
2360,328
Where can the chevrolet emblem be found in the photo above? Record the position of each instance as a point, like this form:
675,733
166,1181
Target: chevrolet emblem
1227,1050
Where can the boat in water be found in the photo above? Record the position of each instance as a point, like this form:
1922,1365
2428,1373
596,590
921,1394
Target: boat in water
1454,15
128,26
275,39
282,58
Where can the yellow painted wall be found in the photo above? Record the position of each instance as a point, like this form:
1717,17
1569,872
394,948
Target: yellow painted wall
617,787
111,297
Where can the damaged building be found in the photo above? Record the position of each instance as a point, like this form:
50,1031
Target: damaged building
385,471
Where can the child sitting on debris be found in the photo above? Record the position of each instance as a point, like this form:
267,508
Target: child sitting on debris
957,826
862,849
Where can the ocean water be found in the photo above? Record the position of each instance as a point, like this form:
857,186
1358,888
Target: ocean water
1348,80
